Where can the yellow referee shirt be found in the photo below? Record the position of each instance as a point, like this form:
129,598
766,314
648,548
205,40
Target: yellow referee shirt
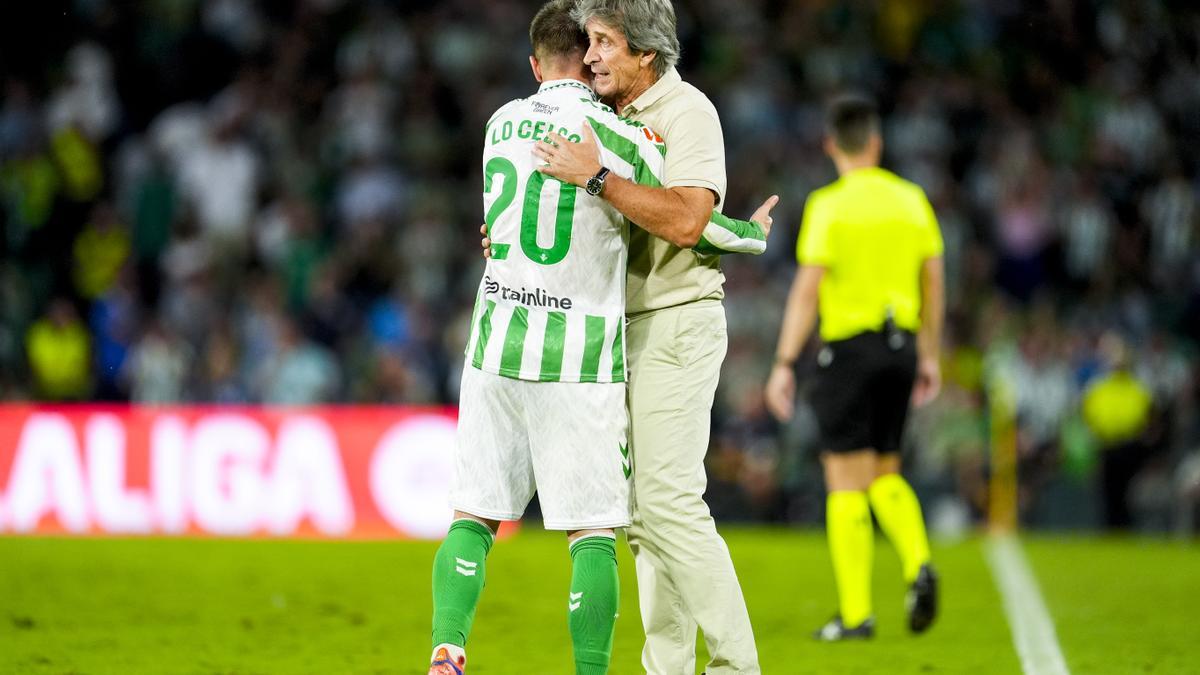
871,230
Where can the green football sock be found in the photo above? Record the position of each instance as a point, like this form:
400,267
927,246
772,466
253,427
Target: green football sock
458,576
899,514
851,539
592,606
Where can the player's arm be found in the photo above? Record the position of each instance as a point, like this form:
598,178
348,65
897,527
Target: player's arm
724,235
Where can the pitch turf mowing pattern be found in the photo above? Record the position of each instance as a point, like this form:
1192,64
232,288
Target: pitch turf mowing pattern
1121,605
213,606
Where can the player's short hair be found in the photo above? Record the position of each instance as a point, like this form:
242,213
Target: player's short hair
648,26
850,120
554,33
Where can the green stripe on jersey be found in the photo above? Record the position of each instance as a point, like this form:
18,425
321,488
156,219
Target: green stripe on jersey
618,355
627,150
514,342
593,345
552,346
485,331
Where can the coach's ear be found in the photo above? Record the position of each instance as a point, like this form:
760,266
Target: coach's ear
537,68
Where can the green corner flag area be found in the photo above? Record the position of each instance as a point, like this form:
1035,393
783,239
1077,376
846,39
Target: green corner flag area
268,606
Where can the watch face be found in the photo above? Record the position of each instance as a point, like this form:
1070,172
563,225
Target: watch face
595,184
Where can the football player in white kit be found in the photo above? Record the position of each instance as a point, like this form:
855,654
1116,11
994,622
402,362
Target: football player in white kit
542,403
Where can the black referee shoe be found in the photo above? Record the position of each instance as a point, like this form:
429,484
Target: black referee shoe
922,600
836,631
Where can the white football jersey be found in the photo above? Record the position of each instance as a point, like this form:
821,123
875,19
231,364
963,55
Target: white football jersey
551,304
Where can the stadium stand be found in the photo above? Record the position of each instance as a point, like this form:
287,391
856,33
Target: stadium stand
278,202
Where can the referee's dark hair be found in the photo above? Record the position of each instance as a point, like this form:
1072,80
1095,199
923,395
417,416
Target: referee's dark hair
554,34
850,120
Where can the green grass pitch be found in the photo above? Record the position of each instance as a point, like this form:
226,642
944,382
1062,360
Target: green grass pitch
217,606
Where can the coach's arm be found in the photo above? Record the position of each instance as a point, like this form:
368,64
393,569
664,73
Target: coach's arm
676,214
722,235
680,215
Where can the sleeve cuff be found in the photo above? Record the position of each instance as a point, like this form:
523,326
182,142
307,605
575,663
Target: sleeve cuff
700,183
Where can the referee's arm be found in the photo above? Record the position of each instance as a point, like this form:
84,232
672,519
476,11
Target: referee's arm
929,338
799,318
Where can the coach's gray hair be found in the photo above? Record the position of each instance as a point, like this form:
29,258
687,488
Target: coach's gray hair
648,25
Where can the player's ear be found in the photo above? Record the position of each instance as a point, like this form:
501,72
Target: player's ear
536,67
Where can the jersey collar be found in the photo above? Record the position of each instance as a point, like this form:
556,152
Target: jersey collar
656,91
549,85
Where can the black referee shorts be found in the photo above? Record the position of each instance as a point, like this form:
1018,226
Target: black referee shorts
862,392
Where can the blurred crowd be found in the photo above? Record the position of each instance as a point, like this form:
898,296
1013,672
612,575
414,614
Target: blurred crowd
278,202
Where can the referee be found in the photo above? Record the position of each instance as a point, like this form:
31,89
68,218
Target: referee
870,265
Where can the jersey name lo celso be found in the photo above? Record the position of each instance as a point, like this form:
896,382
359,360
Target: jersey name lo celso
551,304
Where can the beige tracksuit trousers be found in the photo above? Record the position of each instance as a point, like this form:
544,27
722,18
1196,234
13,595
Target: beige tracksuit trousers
685,575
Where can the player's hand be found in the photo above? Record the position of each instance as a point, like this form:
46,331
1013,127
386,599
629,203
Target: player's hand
929,381
569,162
780,393
485,242
762,215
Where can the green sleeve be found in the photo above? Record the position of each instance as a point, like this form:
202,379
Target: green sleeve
728,235
645,151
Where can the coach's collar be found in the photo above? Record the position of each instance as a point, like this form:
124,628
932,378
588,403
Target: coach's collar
567,84
656,91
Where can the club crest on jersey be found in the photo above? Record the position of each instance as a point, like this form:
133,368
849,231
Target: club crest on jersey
651,136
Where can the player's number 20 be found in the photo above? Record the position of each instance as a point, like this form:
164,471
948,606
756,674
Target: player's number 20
563,219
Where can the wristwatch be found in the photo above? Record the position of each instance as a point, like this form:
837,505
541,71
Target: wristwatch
595,184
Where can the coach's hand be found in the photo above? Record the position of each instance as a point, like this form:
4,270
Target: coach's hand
929,381
762,216
485,242
569,162
780,393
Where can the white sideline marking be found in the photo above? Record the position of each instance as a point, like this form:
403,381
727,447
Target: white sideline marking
1028,619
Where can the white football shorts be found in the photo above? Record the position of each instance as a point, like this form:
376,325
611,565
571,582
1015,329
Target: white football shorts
566,440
